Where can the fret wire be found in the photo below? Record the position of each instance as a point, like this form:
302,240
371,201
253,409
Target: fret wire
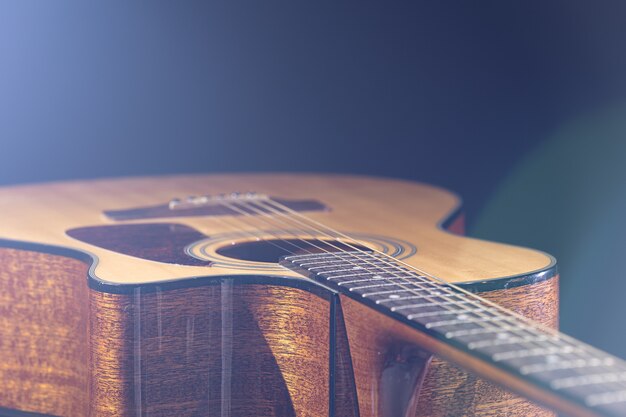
582,380
532,352
519,317
479,311
369,294
228,205
348,255
502,342
434,313
335,270
404,307
375,275
444,323
482,310
471,332
393,265
409,290
323,255
394,268
374,278
575,363
351,255
381,270
325,262
411,297
606,398
539,338
355,268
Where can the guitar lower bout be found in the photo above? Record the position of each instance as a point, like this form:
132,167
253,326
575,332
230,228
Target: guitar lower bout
185,315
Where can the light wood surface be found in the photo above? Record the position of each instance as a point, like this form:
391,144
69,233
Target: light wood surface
149,352
359,205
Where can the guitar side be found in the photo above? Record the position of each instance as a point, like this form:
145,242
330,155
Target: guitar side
239,343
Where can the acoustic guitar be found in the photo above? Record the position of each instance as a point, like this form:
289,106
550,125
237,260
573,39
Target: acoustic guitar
278,295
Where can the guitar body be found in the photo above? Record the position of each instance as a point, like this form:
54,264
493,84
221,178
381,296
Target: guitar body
116,302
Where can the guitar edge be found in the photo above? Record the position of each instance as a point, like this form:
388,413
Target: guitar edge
261,346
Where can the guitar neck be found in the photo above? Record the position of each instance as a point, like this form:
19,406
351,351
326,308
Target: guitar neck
571,376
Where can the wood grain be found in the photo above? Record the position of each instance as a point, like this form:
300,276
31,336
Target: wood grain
163,352
362,205
447,390
44,318
224,349
234,347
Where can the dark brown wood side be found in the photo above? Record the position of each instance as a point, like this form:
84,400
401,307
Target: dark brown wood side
67,350
44,318
224,349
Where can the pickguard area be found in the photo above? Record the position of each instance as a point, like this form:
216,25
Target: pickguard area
161,242
175,243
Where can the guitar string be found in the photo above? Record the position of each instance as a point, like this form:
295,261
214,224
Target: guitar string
432,278
531,325
514,329
432,300
531,328
257,237
395,266
558,353
483,312
324,251
482,307
459,308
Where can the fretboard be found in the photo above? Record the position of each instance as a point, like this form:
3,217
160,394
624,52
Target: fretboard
566,367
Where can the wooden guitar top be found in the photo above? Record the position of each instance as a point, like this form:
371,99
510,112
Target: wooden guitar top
405,213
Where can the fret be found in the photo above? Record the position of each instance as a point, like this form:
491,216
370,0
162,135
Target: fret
398,280
398,284
494,337
462,319
475,325
329,255
326,273
439,313
585,380
390,292
526,353
510,340
606,398
374,278
413,297
373,274
387,284
330,262
571,364
495,331
352,266
444,303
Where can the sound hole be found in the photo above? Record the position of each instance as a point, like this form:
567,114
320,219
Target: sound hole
274,249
